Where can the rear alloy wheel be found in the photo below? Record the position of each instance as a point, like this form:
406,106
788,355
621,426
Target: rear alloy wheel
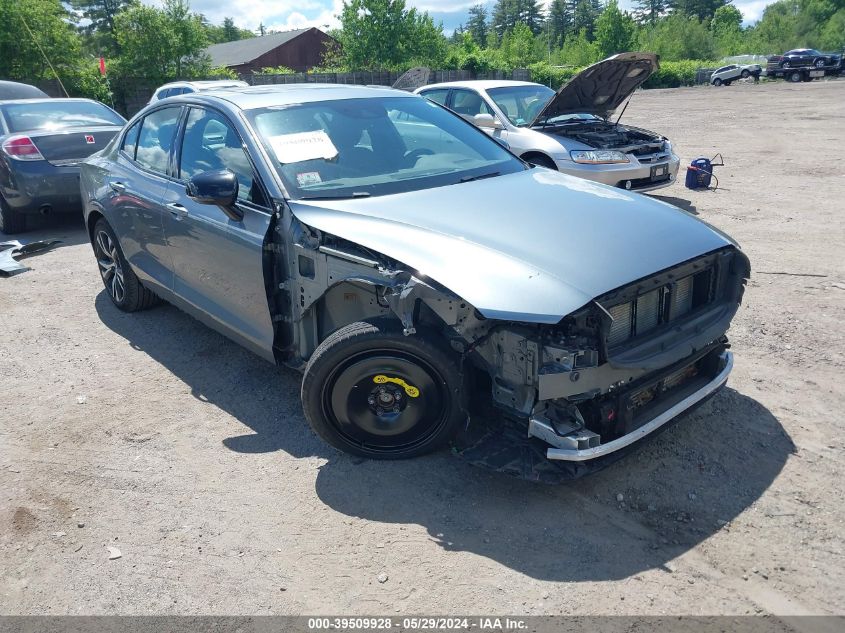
122,285
819,63
370,391
784,65
11,221
717,82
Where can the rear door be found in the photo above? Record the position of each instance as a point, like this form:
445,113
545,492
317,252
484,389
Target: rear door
218,262
139,180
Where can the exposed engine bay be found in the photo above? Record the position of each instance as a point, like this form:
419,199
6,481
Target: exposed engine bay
541,400
607,135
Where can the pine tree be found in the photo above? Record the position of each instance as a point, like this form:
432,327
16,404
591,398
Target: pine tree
584,16
559,22
100,16
649,11
477,24
701,9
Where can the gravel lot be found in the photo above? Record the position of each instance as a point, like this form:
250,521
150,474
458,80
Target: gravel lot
154,435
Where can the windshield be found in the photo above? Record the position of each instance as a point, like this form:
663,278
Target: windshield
375,146
521,104
56,114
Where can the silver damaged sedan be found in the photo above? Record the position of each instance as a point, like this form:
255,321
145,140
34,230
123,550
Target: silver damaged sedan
427,282
572,130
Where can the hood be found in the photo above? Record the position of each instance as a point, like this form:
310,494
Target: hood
531,246
601,88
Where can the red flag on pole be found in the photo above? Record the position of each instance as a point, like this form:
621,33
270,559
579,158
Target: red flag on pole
102,66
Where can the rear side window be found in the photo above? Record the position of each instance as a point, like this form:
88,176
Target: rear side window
438,95
469,103
130,141
156,139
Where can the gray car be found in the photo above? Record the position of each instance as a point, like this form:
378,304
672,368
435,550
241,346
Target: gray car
422,277
572,130
42,142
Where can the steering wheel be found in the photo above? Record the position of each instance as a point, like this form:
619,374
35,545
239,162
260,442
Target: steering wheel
412,156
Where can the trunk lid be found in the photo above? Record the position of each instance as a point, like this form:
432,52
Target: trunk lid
69,146
601,88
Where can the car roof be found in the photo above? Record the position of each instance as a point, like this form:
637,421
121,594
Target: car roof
10,90
288,94
203,84
48,100
482,84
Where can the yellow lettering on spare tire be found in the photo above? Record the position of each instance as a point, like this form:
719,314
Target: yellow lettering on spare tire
410,390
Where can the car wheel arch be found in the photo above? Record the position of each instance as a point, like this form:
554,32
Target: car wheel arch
544,159
91,221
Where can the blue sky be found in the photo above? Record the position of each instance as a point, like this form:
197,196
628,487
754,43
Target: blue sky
290,14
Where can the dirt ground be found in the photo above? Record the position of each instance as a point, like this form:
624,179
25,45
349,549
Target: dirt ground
154,435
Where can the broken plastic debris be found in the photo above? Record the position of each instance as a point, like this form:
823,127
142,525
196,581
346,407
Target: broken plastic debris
114,553
9,250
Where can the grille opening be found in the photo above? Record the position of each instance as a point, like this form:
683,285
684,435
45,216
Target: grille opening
655,307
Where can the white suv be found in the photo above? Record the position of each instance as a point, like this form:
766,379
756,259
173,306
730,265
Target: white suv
183,87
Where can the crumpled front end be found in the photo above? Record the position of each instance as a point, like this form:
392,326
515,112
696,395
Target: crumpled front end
623,366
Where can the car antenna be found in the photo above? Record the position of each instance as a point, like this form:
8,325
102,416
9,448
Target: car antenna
46,59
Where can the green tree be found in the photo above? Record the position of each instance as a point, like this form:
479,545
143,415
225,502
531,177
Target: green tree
508,13
584,15
832,35
161,44
26,25
99,16
701,9
649,11
378,34
477,24
559,22
614,31
726,27
517,49
678,37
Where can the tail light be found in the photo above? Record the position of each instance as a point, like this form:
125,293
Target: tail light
21,148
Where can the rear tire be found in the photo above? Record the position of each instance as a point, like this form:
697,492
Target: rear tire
370,391
122,285
717,82
819,63
11,221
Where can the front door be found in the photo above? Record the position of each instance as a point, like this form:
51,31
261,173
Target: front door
218,262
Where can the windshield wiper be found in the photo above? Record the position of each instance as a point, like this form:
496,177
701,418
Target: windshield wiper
354,194
492,174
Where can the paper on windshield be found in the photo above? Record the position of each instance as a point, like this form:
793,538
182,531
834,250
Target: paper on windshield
295,148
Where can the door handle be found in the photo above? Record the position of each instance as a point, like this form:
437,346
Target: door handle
117,186
177,210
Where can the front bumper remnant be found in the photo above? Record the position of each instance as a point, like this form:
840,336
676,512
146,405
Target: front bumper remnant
579,449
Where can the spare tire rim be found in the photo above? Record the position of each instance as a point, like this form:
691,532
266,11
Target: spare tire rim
110,268
386,401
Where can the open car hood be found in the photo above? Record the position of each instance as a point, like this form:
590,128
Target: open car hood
601,88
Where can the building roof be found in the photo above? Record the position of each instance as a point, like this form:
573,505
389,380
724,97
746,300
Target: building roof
244,51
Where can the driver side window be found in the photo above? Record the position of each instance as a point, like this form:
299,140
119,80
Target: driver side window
211,143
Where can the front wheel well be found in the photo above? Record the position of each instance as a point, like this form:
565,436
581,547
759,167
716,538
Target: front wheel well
91,222
539,158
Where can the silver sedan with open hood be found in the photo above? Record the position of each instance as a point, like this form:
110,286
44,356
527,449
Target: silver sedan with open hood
430,285
571,130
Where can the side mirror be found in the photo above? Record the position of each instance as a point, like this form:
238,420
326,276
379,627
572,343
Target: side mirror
487,121
218,187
